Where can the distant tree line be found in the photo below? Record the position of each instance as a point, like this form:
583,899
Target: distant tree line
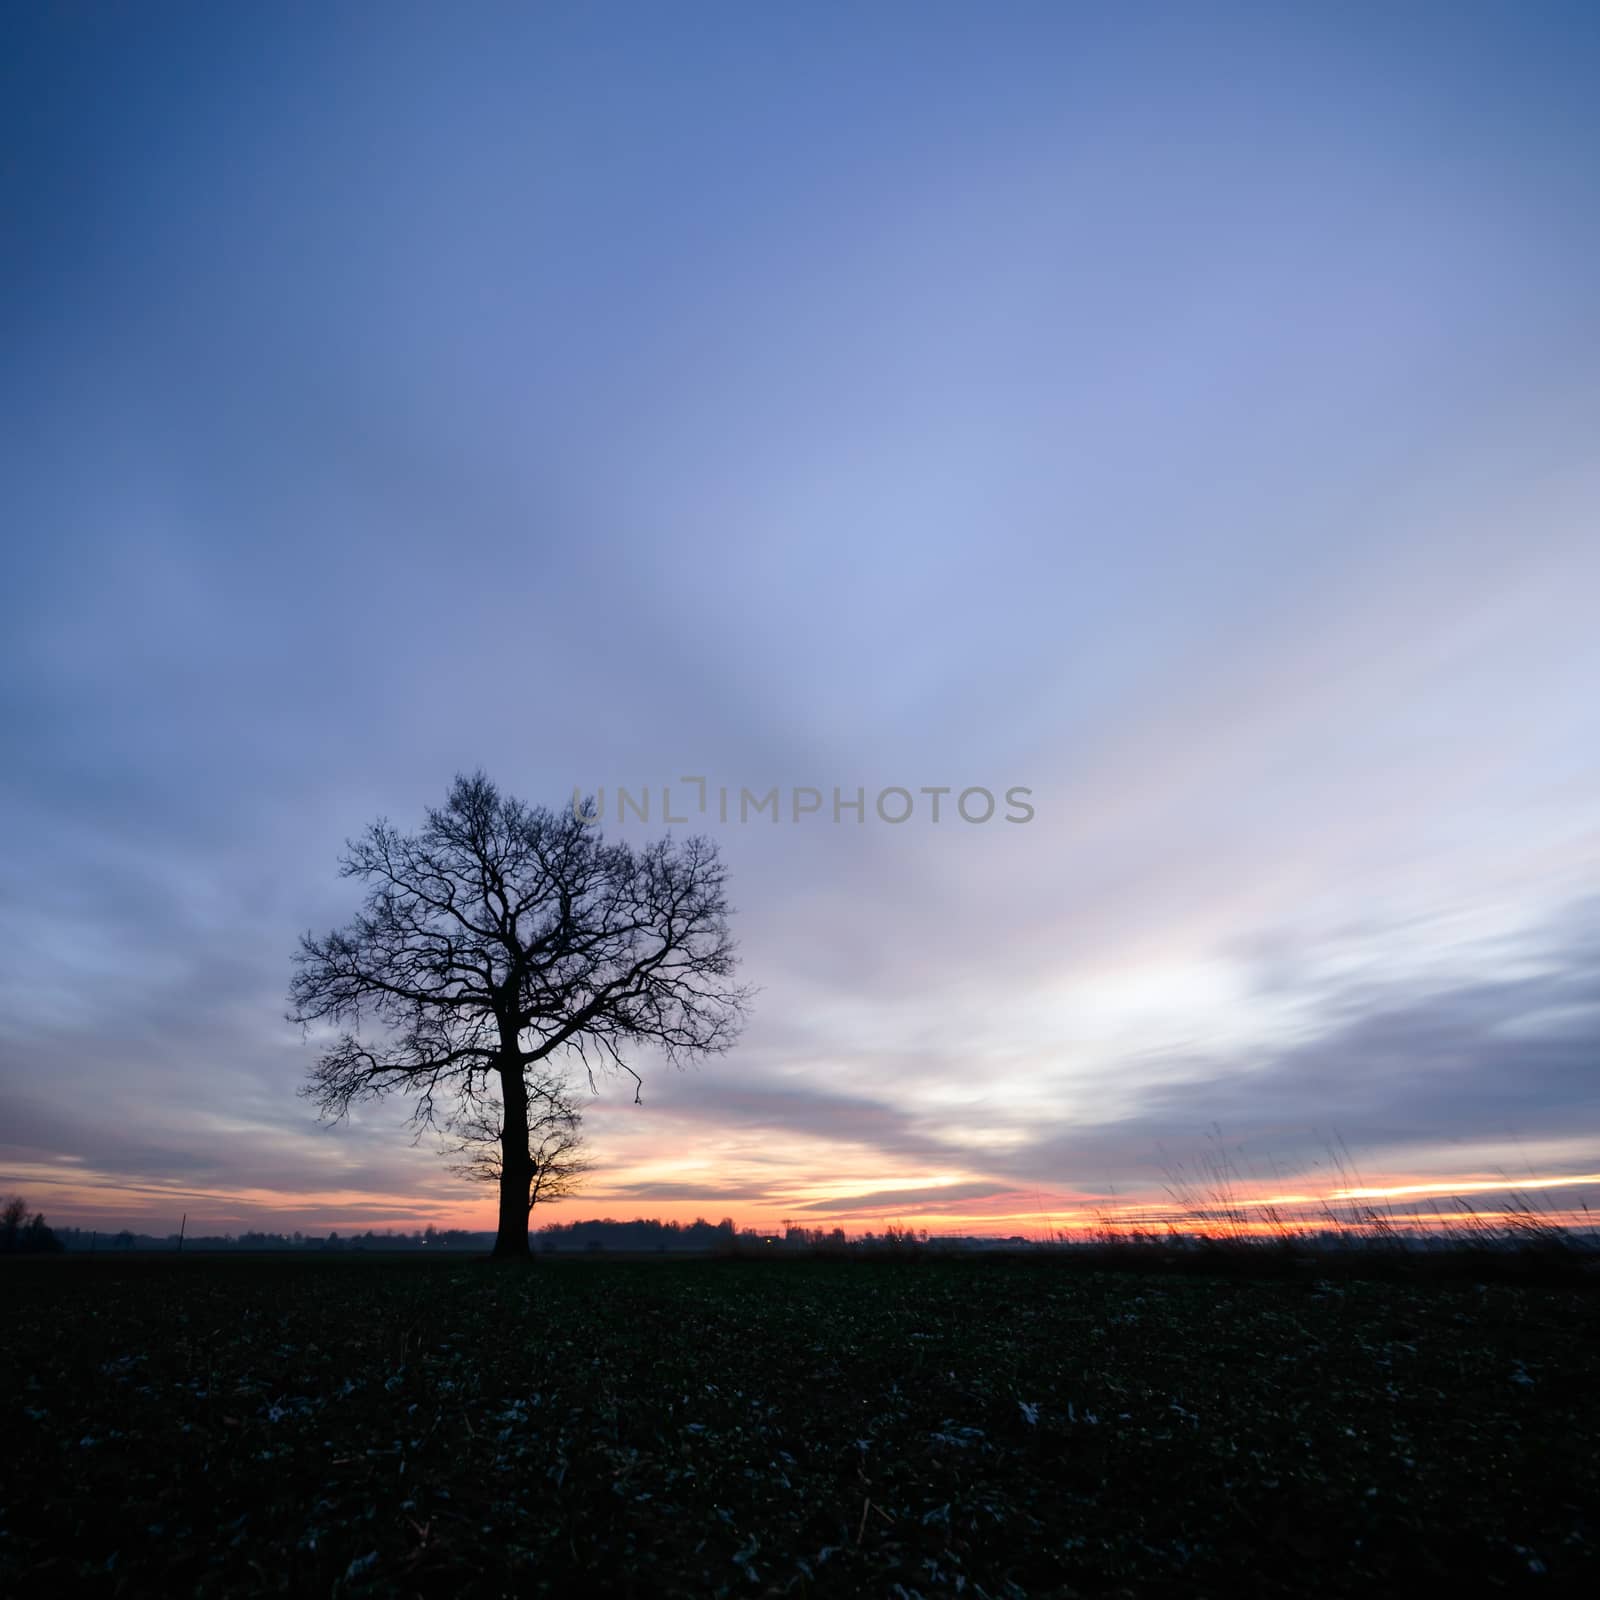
429,1238
723,1238
22,1234
642,1234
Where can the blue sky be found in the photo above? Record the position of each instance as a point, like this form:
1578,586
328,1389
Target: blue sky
1185,412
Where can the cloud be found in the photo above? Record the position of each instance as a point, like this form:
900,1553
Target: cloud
1393,1069
709,1193
907,1199
1244,512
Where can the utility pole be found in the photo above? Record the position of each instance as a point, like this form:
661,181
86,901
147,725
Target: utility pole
182,1227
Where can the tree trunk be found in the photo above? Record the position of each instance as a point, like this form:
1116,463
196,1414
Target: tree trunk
511,1241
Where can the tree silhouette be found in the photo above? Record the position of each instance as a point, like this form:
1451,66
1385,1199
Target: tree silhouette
22,1235
501,941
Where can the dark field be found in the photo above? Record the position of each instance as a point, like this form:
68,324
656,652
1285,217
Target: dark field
986,1428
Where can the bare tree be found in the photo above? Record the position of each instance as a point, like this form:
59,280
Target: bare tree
500,941
556,1164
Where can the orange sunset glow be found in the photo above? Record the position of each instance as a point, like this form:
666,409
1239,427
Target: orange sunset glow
978,1206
